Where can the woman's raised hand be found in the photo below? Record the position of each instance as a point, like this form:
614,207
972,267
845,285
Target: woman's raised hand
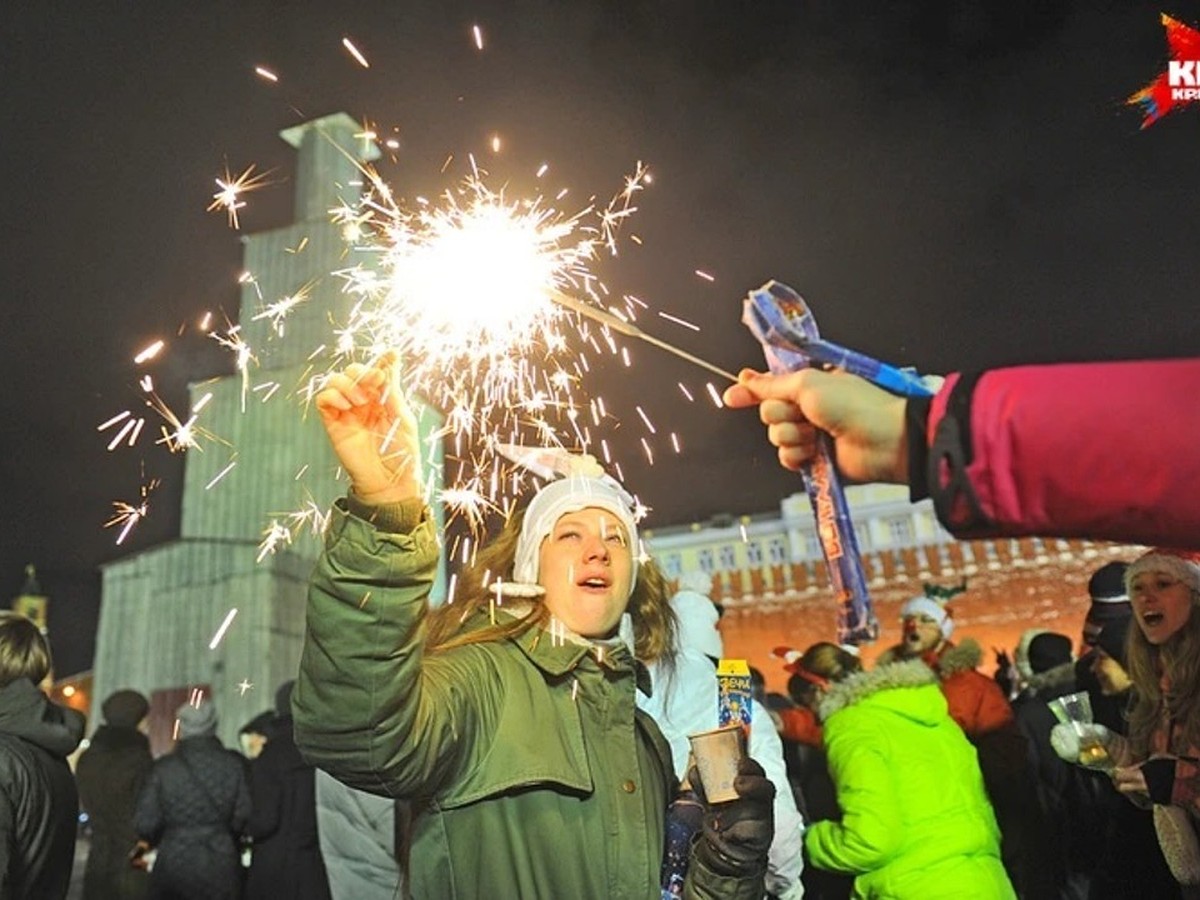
373,432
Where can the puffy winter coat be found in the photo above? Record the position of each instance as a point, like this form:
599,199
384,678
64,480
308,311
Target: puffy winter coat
358,841
916,822
39,815
192,809
110,774
541,777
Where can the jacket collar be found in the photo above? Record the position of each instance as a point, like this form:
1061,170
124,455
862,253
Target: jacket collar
1055,679
557,651
860,685
28,713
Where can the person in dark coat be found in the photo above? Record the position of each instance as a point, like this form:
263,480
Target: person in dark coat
286,859
110,773
193,809
40,808
1047,670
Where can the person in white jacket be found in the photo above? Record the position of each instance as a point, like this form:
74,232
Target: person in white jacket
684,701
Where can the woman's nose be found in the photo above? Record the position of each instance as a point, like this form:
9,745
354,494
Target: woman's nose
596,548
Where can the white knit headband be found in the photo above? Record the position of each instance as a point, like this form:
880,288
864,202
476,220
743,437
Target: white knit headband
568,495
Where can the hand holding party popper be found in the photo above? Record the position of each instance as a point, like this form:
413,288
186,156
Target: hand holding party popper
782,322
785,326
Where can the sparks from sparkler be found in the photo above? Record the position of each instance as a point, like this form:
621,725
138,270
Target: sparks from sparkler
244,685
127,515
278,311
355,52
149,352
229,197
467,295
216,639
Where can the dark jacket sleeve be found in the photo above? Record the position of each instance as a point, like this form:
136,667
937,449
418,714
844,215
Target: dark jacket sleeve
1006,450
266,799
241,803
8,833
148,818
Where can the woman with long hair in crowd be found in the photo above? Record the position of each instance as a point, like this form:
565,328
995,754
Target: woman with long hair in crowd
1158,761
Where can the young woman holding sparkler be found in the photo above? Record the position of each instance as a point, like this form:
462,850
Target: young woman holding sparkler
513,723
1001,452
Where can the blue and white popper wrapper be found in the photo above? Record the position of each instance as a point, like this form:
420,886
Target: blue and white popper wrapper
782,322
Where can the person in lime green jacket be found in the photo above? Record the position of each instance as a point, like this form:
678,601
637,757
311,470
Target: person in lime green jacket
508,715
916,822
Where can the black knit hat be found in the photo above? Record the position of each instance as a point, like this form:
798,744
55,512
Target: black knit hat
1048,650
1110,603
125,708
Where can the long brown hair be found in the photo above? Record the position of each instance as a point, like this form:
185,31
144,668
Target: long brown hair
450,625
1177,662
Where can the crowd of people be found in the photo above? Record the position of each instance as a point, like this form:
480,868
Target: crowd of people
882,802
201,822
530,738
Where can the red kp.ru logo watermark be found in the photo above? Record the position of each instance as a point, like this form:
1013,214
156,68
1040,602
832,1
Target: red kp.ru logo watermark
1179,85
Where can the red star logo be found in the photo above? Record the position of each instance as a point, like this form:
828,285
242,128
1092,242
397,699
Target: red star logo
1180,83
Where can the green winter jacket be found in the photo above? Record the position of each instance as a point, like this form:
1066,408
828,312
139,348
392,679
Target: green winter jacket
916,822
541,779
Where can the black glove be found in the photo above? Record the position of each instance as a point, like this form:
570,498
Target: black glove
737,834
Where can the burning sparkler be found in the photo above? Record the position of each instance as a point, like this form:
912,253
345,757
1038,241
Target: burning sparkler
493,308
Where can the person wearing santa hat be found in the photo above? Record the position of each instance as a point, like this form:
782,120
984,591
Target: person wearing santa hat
1158,760
977,703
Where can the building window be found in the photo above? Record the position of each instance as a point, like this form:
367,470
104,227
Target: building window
900,531
862,538
706,561
754,554
777,551
812,547
672,565
728,558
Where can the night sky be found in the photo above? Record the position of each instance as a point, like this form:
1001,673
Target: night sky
950,184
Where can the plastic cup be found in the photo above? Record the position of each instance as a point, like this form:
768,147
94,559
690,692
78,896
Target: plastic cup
1072,709
717,754
1076,710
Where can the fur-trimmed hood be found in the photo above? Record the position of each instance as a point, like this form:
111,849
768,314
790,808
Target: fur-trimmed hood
1053,681
1021,654
888,676
955,658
